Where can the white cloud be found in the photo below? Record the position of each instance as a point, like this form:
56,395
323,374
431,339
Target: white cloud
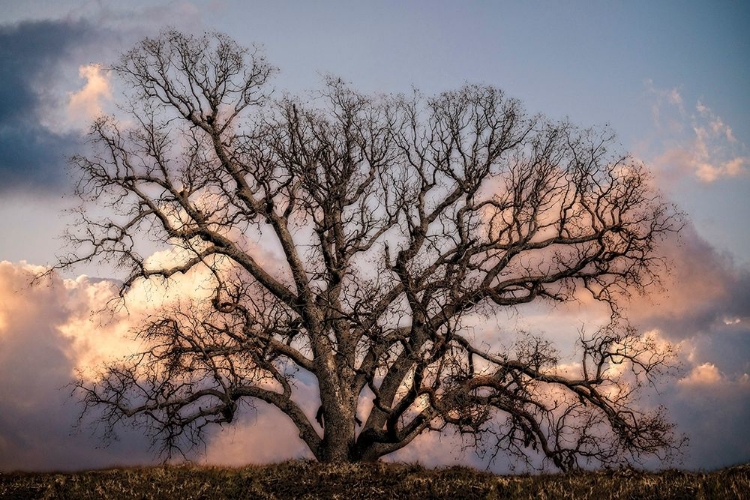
265,437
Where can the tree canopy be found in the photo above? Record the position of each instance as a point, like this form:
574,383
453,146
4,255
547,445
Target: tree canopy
394,218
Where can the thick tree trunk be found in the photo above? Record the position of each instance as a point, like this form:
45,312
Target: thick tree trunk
337,446
338,413
340,442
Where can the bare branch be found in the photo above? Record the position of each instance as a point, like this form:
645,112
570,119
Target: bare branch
394,218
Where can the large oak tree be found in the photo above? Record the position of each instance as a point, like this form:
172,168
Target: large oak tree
397,217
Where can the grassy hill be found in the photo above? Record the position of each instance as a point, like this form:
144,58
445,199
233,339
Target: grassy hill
300,480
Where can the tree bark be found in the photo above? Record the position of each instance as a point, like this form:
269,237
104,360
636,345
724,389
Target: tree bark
339,420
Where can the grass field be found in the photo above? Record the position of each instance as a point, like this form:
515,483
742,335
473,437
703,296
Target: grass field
300,480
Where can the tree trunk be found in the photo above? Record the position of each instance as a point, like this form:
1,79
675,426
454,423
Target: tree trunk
338,412
337,446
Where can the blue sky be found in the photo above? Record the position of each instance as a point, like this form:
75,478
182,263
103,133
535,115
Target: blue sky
671,78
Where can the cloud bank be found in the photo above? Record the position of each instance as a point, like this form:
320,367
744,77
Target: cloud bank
49,331
37,360
52,331
705,310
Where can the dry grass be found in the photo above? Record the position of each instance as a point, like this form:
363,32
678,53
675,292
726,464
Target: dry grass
301,480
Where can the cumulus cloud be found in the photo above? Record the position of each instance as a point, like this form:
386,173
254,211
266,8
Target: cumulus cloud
259,437
56,330
87,103
47,332
713,408
701,144
704,309
262,434
37,360
704,291
705,374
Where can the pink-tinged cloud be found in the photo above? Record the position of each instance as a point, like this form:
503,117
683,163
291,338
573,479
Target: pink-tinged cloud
705,374
37,360
48,331
705,309
52,331
704,290
261,435
698,141
87,103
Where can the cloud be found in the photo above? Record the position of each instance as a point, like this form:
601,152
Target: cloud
259,436
50,331
87,103
703,307
262,434
705,374
37,360
699,142
705,291
51,90
713,409
705,310
47,332
32,57
29,55
671,97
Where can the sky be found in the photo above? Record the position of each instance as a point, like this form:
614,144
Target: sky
670,78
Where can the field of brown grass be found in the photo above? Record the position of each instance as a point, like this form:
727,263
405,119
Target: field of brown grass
308,480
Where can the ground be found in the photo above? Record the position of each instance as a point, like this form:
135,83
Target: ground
304,479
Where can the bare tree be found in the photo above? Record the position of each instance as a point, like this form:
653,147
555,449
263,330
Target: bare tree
396,217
